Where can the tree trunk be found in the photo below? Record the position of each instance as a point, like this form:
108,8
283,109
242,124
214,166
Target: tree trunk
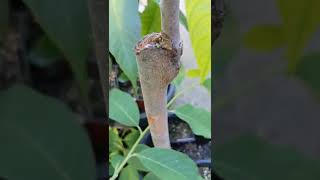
158,56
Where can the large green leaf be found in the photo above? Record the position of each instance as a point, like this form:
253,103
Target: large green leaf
227,44
198,119
116,160
41,139
151,176
4,15
265,38
69,29
122,108
168,164
135,162
124,32
300,21
251,158
308,71
129,173
151,18
199,23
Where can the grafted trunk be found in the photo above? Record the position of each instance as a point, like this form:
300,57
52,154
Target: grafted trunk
158,56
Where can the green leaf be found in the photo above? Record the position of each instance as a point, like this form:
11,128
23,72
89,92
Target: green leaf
123,34
115,142
123,108
135,162
111,170
132,137
308,71
251,158
207,84
4,15
123,78
41,138
227,44
151,18
198,119
69,30
116,160
194,73
169,164
265,38
300,21
199,22
44,53
182,17
151,176
183,20
129,173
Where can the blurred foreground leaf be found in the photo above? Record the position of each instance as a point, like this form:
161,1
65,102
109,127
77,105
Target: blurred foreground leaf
308,70
67,25
251,158
41,139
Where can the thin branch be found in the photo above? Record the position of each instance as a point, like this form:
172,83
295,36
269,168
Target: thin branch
170,20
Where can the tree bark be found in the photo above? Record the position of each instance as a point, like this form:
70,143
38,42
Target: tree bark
158,56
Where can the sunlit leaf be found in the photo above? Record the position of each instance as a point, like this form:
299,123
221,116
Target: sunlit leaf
151,18
124,32
199,23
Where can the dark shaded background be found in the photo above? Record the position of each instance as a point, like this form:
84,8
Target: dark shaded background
266,118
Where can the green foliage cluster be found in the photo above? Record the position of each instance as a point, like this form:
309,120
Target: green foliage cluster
127,25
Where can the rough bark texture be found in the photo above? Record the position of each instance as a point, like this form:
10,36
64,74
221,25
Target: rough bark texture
170,20
158,57
158,64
